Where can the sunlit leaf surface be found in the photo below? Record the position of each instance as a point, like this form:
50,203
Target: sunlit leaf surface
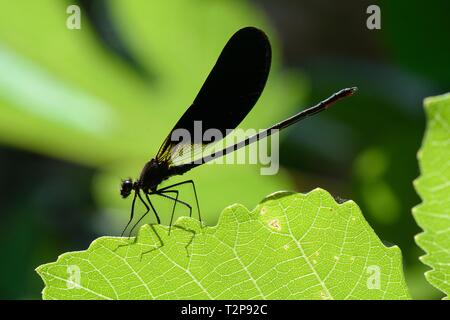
291,246
433,186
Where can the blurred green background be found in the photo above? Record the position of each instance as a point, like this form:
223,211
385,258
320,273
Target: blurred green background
81,109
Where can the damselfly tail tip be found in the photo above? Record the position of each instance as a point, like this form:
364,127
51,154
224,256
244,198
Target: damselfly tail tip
349,91
346,92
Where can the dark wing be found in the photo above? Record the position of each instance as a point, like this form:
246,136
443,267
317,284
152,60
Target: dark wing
228,94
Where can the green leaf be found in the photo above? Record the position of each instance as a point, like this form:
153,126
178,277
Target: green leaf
291,246
433,186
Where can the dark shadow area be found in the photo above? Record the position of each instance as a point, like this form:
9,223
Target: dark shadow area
46,209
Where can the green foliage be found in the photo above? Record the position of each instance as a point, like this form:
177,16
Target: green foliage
427,24
291,246
433,186
63,95
67,97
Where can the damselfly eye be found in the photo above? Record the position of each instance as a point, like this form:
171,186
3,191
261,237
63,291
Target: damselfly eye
126,187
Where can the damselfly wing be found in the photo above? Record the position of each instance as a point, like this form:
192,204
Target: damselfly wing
230,91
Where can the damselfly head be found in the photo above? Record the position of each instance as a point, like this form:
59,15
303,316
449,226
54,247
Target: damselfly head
126,187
